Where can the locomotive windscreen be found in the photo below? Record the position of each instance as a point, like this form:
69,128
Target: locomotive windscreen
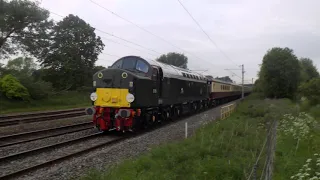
132,63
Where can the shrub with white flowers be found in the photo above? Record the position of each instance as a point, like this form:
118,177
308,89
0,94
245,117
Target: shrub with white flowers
297,126
310,170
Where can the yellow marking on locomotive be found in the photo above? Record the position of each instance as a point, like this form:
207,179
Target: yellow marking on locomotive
112,97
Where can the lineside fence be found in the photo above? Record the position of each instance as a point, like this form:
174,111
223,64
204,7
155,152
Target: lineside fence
267,150
226,111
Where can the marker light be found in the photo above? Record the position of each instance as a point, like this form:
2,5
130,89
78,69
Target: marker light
93,96
130,98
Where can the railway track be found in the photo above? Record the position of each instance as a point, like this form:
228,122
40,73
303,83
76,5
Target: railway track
57,159
9,120
24,137
8,160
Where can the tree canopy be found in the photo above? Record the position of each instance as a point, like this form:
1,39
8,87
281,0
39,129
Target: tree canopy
176,59
23,26
279,74
308,70
74,49
225,78
23,66
311,90
67,50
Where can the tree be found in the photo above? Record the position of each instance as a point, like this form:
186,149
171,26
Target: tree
225,78
279,74
176,59
98,68
257,86
23,26
70,60
25,70
308,70
311,90
21,66
3,70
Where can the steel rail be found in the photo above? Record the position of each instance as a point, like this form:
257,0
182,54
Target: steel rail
44,148
76,128
12,116
29,119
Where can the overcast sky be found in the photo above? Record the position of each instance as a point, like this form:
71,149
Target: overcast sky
243,29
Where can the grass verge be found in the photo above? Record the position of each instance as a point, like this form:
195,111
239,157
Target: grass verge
226,149
62,101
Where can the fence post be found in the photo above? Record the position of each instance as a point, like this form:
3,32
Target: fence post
255,172
186,130
271,147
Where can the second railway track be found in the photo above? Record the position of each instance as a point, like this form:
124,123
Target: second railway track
37,117
24,137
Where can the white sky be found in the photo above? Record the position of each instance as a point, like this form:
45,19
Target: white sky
243,29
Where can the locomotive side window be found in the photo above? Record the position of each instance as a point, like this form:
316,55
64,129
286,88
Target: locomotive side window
142,66
154,74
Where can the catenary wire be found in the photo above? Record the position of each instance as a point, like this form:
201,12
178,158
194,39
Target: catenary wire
115,14
205,32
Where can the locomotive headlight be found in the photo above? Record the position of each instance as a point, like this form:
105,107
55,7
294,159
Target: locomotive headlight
130,98
93,96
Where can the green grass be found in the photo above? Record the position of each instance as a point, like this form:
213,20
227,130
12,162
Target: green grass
221,150
66,100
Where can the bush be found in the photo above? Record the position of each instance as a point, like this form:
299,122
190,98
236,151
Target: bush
315,111
12,88
85,89
311,90
38,89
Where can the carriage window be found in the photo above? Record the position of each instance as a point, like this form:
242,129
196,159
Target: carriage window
117,64
142,66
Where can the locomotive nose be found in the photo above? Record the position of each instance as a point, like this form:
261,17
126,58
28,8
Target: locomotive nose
113,88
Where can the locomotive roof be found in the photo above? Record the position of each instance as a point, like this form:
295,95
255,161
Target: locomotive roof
177,72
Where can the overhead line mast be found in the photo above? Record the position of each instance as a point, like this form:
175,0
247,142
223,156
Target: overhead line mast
242,78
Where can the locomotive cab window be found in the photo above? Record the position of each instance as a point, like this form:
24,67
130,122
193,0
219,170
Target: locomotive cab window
129,63
132,64
142,66
117,64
